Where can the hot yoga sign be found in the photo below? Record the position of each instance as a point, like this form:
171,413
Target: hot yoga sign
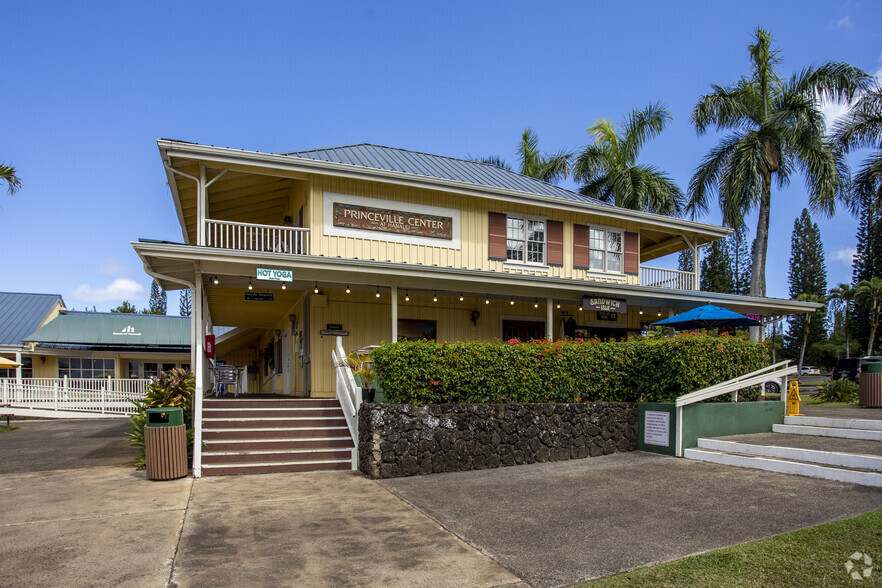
374,219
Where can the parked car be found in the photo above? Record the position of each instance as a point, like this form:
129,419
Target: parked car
846,367
809,370
865,361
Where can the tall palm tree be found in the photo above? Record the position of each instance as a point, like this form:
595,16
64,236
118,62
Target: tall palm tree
776,128
532,162
13,182
869,294
862,127
843,295
609,170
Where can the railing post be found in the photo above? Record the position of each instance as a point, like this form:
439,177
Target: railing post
103,398
5,392
55,395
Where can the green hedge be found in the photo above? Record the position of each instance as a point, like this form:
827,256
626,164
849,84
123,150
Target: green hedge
654,370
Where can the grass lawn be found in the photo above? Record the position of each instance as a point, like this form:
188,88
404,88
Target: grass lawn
811,557
4,428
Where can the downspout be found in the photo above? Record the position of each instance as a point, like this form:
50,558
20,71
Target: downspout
196,358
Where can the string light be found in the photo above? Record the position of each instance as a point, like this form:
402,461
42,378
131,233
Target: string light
641,310
536,303
406,296
511,301
347,289
487,300
216,281
435,296
659,312
378,291
580,309
283,286
460,297
250,287
558,304
316,288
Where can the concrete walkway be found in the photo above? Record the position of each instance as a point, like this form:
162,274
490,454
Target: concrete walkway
86,520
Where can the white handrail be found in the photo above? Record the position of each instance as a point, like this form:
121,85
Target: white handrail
348,394
735,384
256,237
98,395
658,277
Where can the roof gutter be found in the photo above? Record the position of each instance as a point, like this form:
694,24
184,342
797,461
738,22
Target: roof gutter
223,155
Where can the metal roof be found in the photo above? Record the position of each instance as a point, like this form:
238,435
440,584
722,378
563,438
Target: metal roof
437,166
22,313
109,328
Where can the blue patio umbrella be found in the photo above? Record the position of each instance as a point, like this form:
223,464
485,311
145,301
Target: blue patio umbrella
707,317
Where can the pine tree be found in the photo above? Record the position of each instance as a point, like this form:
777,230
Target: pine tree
685,261
185,306
742,260
158,300
807,275
716,269
125,308
867,264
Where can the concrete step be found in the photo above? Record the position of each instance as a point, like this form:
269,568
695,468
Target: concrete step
832,458
786,466
275,467
258,457
836,423
245,402
282,433
278,412
841,432
249,422
232,445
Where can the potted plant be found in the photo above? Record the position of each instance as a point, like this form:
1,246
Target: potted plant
363,369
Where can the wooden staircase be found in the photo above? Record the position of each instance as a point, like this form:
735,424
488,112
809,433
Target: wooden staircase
271,435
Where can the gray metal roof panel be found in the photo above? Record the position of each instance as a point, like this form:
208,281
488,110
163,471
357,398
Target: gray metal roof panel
437,166
21,314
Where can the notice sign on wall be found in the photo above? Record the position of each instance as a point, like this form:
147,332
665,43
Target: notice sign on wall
274,275
656,428
600,303
369,218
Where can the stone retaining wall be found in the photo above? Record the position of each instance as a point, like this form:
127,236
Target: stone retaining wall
398,440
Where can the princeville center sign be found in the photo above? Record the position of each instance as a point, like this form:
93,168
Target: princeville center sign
369,218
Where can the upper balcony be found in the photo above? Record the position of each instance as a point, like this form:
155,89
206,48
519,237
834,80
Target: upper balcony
257,238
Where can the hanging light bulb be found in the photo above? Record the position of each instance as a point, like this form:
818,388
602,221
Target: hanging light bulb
580,309
659,312
250,287
558,304
316,288
460,297
641,310
216,281
487,300
378,291
406,296
283,286
435,296
511,301
536,303
347,289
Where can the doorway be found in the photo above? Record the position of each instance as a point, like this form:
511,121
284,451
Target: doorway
522,330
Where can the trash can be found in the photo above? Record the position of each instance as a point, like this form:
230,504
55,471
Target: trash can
870,395
165,443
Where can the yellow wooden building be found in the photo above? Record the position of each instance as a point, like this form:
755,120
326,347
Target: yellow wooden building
381,243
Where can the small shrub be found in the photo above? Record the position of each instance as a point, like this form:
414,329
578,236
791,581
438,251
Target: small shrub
841,390
426,372
173,388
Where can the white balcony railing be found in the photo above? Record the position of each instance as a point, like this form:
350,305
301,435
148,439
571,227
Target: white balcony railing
99,395
657,277
251,237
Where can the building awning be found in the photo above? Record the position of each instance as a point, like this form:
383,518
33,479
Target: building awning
118,329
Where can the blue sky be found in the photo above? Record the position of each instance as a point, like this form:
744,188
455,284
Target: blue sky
89,87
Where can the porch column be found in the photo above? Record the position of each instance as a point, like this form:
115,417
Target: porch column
18,369
696,263
394,314
549,318
198,361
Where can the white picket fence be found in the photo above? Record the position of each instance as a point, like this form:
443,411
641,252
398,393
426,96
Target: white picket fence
107,396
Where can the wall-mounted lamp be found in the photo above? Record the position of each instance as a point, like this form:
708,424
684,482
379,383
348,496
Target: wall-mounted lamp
476,314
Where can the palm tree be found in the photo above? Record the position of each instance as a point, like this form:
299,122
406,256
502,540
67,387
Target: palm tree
869,294
609,170
13,182
862,127
776,128
842,295
531,162
808,321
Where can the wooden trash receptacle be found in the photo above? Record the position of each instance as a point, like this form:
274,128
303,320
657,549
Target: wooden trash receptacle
165,443
870,395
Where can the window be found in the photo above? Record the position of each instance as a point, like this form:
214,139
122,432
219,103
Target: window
134,370
525,240
27,369
151,370
605,250
86,367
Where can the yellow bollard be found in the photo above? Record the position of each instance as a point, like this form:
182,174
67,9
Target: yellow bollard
793,399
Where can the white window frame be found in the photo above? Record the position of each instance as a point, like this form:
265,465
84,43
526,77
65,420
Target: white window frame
606,251
527,218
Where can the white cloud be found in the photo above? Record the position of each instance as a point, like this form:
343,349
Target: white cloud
833,110
845,255
118,290
842,23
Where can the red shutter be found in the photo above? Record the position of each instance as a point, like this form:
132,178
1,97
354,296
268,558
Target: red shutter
632,254
496,240
555,243
580,246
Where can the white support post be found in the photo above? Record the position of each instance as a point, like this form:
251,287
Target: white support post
55,395
18,369
394,314
696,256
5,392
549,319
199,371
200,207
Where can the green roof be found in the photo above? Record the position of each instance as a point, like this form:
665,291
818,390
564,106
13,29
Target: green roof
99,328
